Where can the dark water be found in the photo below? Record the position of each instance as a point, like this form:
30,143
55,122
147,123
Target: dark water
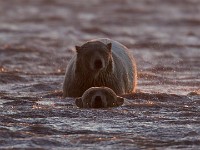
36,42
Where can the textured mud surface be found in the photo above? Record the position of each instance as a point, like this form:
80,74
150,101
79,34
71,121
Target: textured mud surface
36,43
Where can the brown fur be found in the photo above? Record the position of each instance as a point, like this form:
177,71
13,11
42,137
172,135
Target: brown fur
99,97
101,62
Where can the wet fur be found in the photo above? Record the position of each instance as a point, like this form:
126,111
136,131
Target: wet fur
119,72
108,97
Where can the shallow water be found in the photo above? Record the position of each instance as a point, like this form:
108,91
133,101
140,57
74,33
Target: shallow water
36,43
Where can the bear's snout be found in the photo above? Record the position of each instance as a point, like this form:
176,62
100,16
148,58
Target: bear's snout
98,64
97,103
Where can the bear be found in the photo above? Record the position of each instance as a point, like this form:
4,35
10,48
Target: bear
100,62
99,97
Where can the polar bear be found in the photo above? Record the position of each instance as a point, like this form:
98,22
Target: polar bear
99,97
100,62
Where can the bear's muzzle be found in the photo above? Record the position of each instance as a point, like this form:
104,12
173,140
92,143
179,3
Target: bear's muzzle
98,64
97,103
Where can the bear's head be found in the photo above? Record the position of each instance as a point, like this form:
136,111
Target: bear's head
93,57
99,97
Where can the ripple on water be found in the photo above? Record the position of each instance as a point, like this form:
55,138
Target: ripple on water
37,40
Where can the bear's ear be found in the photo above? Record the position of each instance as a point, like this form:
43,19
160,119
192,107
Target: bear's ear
109,46
79,102
120,100
78,49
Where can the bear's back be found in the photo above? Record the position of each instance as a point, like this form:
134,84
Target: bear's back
118,49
